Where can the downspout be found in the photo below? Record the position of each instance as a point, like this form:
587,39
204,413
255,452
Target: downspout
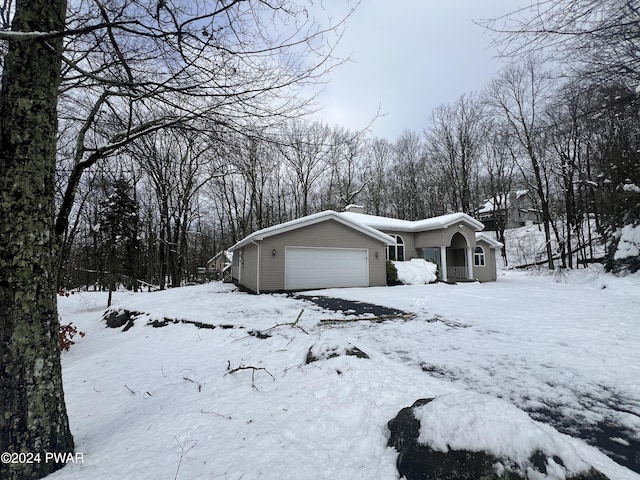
257,266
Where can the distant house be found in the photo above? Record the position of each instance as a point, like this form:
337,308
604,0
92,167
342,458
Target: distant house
220,265
517,209
350,249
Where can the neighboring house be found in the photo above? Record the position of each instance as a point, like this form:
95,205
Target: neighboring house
220,265
350,249
517,208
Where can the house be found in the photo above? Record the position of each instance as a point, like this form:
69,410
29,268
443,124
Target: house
350,249
516,209
220,265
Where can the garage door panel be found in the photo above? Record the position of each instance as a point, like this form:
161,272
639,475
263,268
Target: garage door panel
307,267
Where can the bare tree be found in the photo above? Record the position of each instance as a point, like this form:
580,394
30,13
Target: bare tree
380,154
518,95
177,164
347,178
454,140
409,179
306,149
136,67
498,166
597,39
570,142
124,69
598,43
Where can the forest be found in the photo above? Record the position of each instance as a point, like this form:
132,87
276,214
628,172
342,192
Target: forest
159,209
178,136
138,138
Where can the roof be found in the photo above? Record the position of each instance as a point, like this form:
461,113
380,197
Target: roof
493,243
504,201
435,223
311,220
226,254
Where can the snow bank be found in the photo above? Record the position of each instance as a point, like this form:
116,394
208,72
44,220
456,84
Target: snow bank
476,422
170,408
629,244
416,271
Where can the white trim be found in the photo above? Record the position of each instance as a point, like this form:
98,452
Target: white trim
443,263
463,234
311,220
395,245
493,243
483,254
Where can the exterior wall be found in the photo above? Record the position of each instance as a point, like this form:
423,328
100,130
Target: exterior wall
487,273
442,237
431,238
521,210
245,263
409,243
456,251
329,234
333,234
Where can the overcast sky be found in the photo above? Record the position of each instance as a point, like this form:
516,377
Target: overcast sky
408,57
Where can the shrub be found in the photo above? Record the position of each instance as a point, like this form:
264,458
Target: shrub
392,273
67,332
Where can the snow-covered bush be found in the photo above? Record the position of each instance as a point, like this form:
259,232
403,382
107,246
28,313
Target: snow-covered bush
624,251
416,271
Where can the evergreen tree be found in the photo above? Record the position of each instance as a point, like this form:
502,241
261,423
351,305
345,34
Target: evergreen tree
120,245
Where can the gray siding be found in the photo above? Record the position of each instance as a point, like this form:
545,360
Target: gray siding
246,271
409,243
330,234
442,237
487,273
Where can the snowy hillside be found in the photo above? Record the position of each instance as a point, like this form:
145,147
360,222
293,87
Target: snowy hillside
526,245
182,402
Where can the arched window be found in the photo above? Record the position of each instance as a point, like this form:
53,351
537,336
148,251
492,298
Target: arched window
478,257
396,252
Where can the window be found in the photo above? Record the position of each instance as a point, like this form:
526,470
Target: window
431,254
396,252
478,257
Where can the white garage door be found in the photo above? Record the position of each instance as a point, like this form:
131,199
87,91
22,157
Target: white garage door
307,267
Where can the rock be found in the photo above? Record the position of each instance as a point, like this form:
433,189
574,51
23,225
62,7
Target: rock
119,318
126,318
324,352
418,460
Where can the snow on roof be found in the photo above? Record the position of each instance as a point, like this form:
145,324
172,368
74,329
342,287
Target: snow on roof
386,223
371,225
310,220
493,243
488,207
227,255
502,200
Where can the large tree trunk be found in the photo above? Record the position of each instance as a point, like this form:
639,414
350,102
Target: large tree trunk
33,418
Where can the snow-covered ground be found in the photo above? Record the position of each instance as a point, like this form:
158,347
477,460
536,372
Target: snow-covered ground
526,245
173,402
